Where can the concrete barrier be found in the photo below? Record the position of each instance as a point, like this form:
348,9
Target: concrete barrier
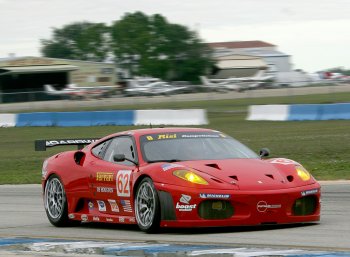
298,112
339,111
113,118
7,120
39,119
305,112
104,118
268,112
171,117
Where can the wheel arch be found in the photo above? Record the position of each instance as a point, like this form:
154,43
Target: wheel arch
137,183
166,206
70,205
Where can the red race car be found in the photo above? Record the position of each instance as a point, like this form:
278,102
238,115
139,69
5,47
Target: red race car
174,177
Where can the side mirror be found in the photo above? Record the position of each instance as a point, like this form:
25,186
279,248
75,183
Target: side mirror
264,152
119,157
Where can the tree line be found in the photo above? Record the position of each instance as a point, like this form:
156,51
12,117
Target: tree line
141,44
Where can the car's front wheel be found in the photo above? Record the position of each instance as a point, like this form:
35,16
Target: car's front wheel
147,208
55,202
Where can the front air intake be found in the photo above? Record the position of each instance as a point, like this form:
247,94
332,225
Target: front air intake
215,209
305,206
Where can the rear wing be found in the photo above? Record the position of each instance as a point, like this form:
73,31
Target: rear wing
41,145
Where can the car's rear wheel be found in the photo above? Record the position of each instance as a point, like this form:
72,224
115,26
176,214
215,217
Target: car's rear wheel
147,209
55,202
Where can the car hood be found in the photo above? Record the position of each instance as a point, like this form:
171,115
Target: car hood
250,174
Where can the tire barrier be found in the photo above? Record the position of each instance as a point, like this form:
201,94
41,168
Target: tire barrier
299,112
105,118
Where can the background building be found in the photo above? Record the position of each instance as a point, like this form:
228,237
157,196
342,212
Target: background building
237,65
275,60
248,57
21,77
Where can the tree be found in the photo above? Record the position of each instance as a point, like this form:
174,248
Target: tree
150,45
79,41
144,45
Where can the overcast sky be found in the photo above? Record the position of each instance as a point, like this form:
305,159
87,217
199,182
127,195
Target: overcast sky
314,32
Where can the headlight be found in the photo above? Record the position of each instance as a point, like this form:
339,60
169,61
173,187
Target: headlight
303,173
190,177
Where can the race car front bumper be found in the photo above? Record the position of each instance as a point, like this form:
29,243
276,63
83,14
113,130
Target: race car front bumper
187,207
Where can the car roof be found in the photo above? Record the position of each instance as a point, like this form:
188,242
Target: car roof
141,132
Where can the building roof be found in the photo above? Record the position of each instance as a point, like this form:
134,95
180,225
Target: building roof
17,58
37,69
241,44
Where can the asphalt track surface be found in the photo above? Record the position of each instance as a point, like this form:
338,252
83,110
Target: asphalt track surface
22,215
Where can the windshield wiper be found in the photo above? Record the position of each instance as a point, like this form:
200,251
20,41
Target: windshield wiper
171,160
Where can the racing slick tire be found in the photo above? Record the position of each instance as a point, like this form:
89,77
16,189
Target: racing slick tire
55,202
147,206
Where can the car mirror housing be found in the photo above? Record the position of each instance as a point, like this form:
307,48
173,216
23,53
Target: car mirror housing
122,158
119,157
264,152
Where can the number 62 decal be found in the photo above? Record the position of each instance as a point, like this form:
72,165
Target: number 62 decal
123,183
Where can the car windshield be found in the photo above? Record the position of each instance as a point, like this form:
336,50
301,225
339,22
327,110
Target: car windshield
184,146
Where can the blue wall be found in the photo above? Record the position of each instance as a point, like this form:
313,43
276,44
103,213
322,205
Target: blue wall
104,118
319,111
340,111
72,119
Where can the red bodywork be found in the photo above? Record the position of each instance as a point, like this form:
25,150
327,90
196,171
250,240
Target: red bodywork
258,191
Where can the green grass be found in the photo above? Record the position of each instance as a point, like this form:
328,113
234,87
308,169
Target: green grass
323,147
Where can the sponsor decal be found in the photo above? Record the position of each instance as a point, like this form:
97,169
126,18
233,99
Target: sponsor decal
121,219
166,136
71,216
201,136
214,196
95,218
168,166
104,176
283,161
184,204
114,205
185,199
91,205
309,192
50,143
101,205
263,206
183,135
149,138
109,220
104,190
123,183
126,205
132,219
84,217
185,207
